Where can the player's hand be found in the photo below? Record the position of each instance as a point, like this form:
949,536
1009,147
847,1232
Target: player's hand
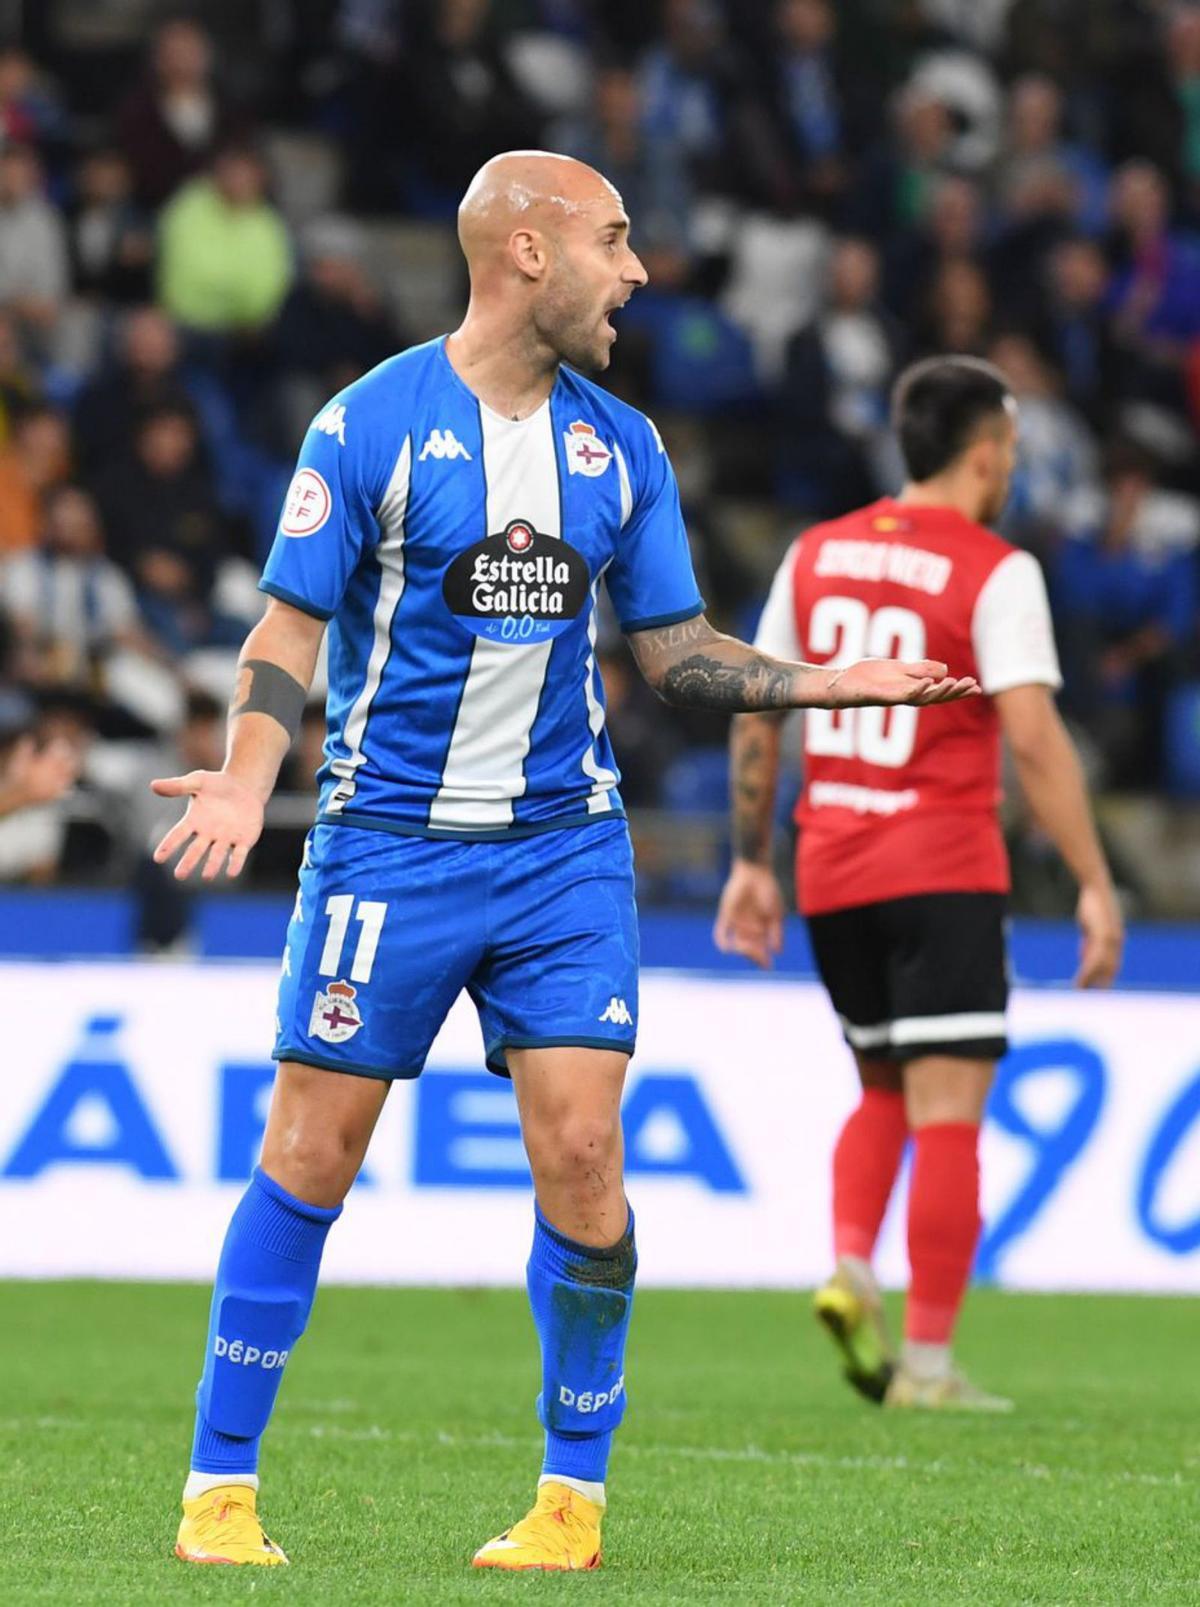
750,914
224,820
39,775
1102,929
890,680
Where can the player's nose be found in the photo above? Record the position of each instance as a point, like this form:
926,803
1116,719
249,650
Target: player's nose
634,273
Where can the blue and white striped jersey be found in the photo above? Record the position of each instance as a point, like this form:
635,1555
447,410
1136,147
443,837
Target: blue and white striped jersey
457,556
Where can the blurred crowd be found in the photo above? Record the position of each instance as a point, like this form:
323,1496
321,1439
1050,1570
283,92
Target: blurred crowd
193,213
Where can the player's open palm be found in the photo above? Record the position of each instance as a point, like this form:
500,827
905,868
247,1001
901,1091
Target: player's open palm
750,914
891,680
223,821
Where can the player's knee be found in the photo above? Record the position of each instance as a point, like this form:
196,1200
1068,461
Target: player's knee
576,1150
315,1163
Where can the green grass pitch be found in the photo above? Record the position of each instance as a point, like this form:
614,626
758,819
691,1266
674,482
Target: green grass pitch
745,1471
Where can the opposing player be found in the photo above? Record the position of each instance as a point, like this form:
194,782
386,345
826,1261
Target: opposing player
450,520
901,867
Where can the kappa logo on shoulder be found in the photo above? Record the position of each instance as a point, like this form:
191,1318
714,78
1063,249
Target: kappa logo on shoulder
333,422
586,452
444,445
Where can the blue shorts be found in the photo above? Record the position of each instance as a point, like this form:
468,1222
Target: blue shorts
388,930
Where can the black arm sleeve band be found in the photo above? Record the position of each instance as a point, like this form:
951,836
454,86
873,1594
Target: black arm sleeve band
272,691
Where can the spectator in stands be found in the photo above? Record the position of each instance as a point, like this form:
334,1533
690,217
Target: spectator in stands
333,326
19,385
1126,610
958,312
1154,299
34,269
1072,324
225,261
37,458
145,372
651,174
1057,454
837,378
173,123
168,532
112,244
1039,173
30,110
950,229
697,97
457,103
1183,64
808,105
71,607
901,174
39,763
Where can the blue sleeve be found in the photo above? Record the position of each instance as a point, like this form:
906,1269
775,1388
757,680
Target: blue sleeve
328,518
651,580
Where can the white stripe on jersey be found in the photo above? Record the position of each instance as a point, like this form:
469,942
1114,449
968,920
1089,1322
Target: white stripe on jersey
485,765
626,488
389,554
601,776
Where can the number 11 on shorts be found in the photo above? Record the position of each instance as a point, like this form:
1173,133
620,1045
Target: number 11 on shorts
370,914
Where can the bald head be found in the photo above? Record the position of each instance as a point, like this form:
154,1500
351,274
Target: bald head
546,240
528,190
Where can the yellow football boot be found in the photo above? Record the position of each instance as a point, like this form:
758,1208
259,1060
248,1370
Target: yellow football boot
561,1533
222,1526
853,1317
951,1392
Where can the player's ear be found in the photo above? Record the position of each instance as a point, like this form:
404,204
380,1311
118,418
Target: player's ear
528,250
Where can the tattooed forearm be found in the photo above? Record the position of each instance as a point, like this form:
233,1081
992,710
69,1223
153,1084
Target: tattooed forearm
754,766
694,666
703,681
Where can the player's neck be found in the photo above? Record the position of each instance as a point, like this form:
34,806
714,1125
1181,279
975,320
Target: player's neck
511,369
946,491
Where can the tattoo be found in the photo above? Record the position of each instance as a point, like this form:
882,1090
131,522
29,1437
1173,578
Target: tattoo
754,763
265,688
701,681
693,666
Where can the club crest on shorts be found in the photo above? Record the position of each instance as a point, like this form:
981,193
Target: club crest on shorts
335,1016
586,452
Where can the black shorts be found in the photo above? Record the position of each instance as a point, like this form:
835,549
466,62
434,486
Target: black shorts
918,976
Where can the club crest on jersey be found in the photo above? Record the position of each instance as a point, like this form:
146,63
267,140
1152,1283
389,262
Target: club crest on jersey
520,586
586,452
335,1016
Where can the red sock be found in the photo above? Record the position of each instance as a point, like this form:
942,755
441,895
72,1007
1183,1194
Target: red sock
943,1227
865,1164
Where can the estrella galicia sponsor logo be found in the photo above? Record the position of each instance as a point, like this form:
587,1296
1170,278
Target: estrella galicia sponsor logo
520,586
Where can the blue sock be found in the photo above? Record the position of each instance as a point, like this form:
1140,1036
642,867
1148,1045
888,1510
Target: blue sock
582,1299
263,1293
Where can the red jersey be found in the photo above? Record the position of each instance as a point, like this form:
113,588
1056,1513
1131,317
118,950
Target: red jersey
904,800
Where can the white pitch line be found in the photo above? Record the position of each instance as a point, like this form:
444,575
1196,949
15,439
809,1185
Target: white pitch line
749,1454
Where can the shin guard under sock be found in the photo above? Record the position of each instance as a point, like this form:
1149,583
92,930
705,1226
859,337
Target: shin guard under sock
582,1299
262,1295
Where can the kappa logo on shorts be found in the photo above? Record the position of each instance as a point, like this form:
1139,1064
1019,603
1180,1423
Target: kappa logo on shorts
617,1011
335,1016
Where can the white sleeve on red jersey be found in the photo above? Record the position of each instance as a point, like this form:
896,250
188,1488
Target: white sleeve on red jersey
1011,630
776,633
